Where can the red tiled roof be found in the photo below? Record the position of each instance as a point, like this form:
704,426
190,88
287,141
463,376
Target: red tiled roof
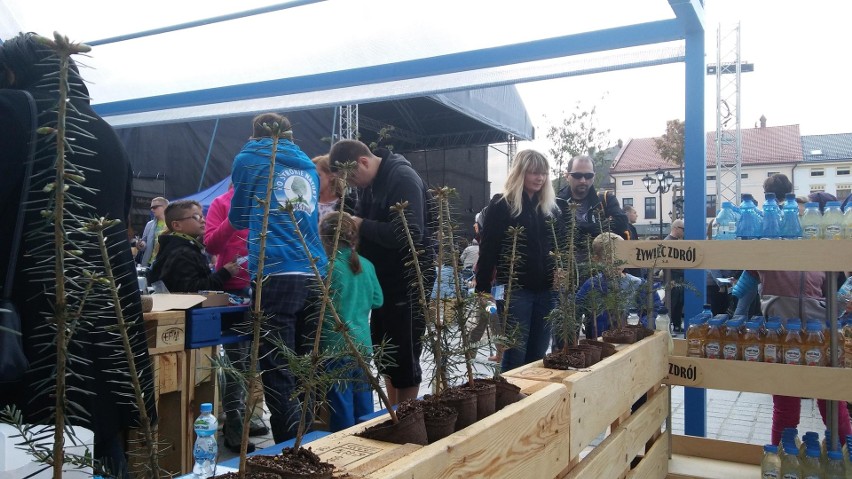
769,145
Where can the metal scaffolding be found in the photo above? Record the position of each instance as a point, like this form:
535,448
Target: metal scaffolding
347,122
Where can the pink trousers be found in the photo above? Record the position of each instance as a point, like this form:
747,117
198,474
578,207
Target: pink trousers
786,411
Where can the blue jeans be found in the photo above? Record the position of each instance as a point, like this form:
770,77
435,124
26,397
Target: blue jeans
348,400
527,312
288,301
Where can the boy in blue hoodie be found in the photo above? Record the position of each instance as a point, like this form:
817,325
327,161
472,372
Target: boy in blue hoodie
289,289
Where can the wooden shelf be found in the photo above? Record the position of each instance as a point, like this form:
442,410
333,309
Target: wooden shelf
777,255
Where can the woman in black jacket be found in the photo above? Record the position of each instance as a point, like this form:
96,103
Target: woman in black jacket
527,201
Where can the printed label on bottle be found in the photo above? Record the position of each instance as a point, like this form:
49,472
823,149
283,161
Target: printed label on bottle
770,475
752,353
770,353
813,357
793,356
693,348
810,232
729,351
711,350
833,231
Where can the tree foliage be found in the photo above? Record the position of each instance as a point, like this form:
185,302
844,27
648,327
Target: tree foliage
578,134
670,145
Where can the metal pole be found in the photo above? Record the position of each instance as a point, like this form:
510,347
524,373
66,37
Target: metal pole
660,189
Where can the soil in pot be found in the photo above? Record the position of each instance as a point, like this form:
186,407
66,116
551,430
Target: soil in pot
486,397
505,392
292,463
565,360
641,331
592,352
440,419
409,430
464,402
607,349
620,336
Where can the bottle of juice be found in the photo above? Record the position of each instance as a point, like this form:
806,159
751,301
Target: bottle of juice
695,337
752,345
772,342
731,347
811,466
832,221
834,465
770,466
847,344
713,339
814,345
793,345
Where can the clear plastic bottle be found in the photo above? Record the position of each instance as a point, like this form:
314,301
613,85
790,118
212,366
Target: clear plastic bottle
752,345
770,466
713,339
790,467
811,221
790,226
771,218
206,449
847,223
731,347
834,466
793,345
832,221
814,345
811,466
725,224
663,323
750,225
633,317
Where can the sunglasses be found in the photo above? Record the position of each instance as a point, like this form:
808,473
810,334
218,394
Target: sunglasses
585,176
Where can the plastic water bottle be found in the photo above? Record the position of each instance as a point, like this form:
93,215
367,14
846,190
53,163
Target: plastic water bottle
811,467
832,221
771,218
725,224
750,225
834,466
770,466
633,317
790,467
491,307
811,221
205,449
790,226
663,323
847,222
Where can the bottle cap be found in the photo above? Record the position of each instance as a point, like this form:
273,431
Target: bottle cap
832,203
813,452
769,196
810,204
791,449
790,196
814,327
206,407
663,310
836,455
771,448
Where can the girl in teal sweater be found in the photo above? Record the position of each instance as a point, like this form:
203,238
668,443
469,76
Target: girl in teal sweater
355,291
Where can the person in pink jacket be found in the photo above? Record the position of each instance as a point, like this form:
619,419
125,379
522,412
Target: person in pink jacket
229,244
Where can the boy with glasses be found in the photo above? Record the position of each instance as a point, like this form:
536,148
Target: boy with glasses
181,264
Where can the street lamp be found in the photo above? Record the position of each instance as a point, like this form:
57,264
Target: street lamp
664,184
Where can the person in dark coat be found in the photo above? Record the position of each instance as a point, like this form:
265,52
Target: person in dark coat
388,179
98,386
181,264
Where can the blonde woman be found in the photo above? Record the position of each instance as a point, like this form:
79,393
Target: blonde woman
528,200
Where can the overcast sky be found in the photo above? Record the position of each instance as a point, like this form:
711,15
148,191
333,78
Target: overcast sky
800,52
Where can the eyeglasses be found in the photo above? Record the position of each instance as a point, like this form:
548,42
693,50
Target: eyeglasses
154,207
585,176
196,217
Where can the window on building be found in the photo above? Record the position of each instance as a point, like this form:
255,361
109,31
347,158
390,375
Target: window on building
626,182
843,190
626,202
743,175
842,171
710,206
817,188
650,208
817,172
711,177
772,173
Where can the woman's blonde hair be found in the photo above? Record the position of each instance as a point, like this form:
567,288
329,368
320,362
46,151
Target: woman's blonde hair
513,190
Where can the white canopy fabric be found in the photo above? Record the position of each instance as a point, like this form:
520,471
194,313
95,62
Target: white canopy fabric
313,53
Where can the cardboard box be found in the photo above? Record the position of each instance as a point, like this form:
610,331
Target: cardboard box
176,301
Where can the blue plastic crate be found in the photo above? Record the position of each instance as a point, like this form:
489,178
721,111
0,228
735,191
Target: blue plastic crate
204,325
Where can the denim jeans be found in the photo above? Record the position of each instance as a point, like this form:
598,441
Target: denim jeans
527,312
287,303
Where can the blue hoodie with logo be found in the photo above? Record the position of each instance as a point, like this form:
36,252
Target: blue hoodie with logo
295,181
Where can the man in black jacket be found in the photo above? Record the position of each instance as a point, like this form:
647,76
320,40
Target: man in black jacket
181,264
388,179
593,212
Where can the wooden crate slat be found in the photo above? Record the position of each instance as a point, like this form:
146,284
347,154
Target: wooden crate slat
613,456
655,464
783,379
717,449
767,255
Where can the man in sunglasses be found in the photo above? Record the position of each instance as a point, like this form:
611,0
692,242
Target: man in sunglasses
148,243
593,214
